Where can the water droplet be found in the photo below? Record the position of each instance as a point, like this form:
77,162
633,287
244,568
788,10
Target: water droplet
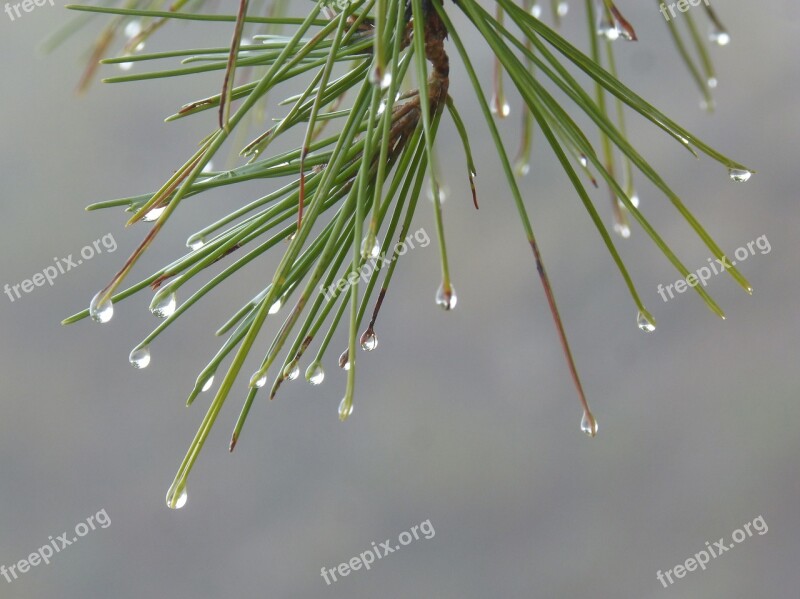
209,167
584,161
260,380
291,372
345,409
125,66
635,199
589,424
708,105
444,191
207,383
344,360
154,214
447,300
140,357
522,168
196,241
563,9
644,323
369,340
382,107
739,175
370,247
608,30
275,308
622,229
176,499
380,77
719,36
536,10
712,82
101,310
133,28
500,109
315,373
164,303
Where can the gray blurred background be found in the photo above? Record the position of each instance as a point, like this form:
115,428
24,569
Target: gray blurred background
467,419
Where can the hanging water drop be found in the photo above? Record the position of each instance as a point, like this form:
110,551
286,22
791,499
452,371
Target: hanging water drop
719,36
712,82
369,340
381,77
563,9
140,357
622,229
164,304
644,323
608,30
154,214
207,383
498,108
176,499
196,241
315,374
291,372
536,10
739,175
447,300
635,199
125,66
584,161
101,308
345,409
707,105
344,360
444,192
133,28
370,247
258,380
209,167
275,308
589,424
